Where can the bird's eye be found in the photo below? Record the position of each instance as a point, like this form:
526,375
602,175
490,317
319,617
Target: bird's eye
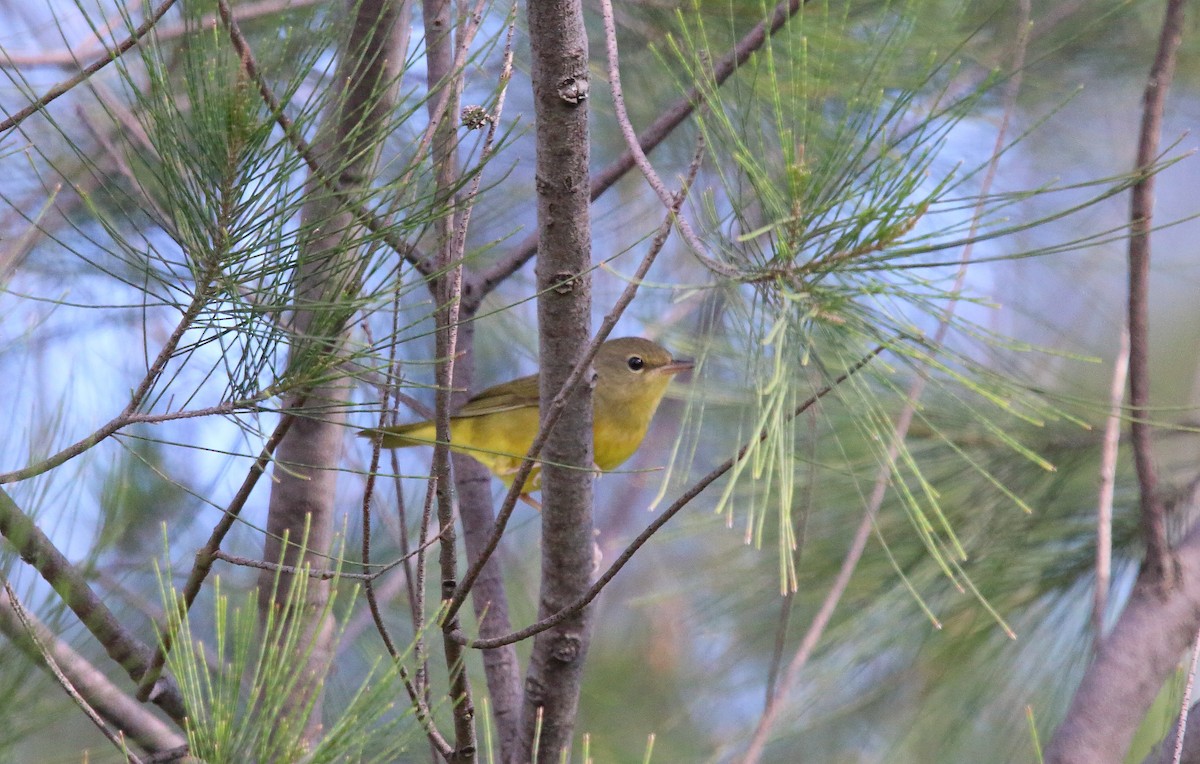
636,363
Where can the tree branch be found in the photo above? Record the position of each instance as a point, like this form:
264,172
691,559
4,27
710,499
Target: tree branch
130,653
561,82
1163,612
303,495
133,718
1158,564
1140,653
447,289
66,86
472,481
48,660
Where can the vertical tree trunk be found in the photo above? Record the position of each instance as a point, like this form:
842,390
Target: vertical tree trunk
474,486
559,70
445,87
305,481
1136,658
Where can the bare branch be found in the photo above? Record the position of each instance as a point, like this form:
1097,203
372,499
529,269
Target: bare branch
1108,479
385,414
1154,529
323,574
447,290
414,690
561,81
639,156
130,653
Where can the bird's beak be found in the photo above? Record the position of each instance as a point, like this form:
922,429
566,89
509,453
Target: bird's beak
678,365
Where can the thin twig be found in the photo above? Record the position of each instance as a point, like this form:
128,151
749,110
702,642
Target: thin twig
422,575
368,495
1108,480
493,119
466,34
440,77
1159,563
65,86
95,45
387,415
691,493
322,574
501,668
414,689
639,156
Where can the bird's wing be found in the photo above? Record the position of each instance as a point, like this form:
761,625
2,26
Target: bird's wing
517,394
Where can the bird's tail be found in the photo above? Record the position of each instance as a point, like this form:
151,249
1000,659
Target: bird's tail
402,435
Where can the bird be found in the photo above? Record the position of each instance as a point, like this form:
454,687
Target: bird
497,426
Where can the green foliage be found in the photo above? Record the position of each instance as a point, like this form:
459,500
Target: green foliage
237,690
827,233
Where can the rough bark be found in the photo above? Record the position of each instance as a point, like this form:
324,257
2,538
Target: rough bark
559,71
305,479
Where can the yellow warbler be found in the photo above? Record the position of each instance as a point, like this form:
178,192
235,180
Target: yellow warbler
497,426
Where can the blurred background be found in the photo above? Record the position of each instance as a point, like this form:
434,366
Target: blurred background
916,665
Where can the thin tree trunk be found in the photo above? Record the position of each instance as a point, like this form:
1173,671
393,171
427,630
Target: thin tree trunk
1162,614
474,486
305,480
559,71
